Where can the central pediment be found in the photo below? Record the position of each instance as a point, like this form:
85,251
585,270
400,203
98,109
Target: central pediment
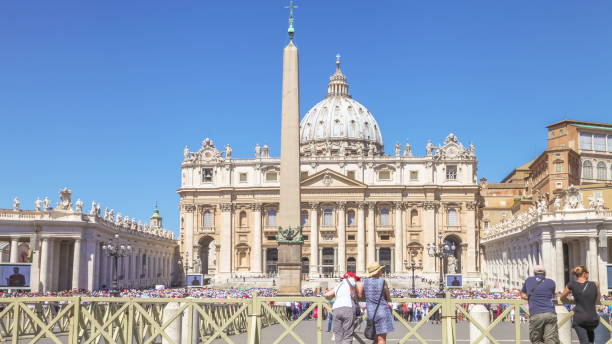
330,179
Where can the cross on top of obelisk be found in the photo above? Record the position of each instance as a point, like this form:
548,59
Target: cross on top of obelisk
291,30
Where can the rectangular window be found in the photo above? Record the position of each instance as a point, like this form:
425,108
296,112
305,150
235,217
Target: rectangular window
559,185
304,220
328,218
384,217
243,177
597,195
271,238
351,237
486,224
451,172
303,175
559,167
414,175
271,176
350,218
600,142
207,175
384,237
350,174
610,143
384,175
586,141
305,237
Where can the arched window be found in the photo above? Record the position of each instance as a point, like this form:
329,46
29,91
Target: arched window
328,217
452,217
414,218
243,219
208,219
304,218
601,170
384,217
272,217
587,170
350,218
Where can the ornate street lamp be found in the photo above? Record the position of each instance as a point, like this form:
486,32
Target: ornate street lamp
441,250
413,265
116,250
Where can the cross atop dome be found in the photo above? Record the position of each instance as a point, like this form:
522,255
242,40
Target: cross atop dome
338,86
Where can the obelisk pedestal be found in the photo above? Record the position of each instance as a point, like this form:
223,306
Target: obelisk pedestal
289,269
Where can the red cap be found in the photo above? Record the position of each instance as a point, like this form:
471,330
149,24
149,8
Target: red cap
351,274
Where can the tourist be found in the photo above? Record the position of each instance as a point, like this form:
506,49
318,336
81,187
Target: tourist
345,307
376,293
539,291
586,295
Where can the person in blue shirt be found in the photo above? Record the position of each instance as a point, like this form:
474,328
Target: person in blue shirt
539,292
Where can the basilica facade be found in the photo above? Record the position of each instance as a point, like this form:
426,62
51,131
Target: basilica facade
359,204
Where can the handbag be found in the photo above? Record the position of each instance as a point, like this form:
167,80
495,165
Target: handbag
370,330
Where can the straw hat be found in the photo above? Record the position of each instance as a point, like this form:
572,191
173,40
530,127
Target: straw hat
374,268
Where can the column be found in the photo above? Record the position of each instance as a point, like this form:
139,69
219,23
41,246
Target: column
341,262
44,265
603,261
76,264
593,260
560,275
225,259
428,220
547,255
470,227
256,250
35,272
399,238
265,260
103,268
361,236
371,228
189,228
314,240
14,250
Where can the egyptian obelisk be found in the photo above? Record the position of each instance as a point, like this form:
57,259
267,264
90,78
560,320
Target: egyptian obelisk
290,238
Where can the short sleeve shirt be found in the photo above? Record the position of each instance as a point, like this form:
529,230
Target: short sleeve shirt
541,292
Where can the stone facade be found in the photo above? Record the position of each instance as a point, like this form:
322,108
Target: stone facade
358,204
64,245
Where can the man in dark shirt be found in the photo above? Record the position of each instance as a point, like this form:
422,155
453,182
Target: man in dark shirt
17,279
539,291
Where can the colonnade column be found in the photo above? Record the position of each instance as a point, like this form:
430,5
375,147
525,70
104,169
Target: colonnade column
189,226
44,265
429,234
76,264
225,259
371,248
361,236
472,247
341,238
256,251
560,266
14,250
593,260
314,240
547,256
399,238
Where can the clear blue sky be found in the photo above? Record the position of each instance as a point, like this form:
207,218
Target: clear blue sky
102,96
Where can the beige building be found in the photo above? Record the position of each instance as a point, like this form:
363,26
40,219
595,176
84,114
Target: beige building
358,204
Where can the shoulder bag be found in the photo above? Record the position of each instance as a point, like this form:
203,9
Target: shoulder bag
370,330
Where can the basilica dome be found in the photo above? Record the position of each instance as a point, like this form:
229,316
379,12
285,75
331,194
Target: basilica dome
339,125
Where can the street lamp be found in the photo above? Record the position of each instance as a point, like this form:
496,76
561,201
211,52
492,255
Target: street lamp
441,250
413,265
116,250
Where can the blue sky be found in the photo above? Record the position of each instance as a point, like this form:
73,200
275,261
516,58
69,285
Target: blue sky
103,96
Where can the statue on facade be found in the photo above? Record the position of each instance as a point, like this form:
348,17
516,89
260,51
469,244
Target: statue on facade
573,199
92,210
472,148
407,150
429,148
186,153
228,151
257,151
65,202
38,204
111,215
452,265
119,218
79,206
47,204
557,204
371,149
16,204
265,151
398,149
342,151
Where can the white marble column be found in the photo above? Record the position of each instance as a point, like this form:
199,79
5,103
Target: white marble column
428,220
470,227
371,228
560,266
256,260
361,239
548,257
14,250
225,259
341,262
189,214
314,240
603,269
399,238
44,265
593,260
76,264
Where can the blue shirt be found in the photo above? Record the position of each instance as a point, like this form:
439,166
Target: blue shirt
541,295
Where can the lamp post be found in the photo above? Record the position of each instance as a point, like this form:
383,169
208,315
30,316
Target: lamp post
116,250
441,250
413,265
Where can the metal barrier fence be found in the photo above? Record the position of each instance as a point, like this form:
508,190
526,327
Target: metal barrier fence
83,320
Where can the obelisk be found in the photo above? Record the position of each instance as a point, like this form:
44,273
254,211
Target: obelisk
289,235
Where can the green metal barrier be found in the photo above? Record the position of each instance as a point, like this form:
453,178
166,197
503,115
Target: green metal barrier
76,320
